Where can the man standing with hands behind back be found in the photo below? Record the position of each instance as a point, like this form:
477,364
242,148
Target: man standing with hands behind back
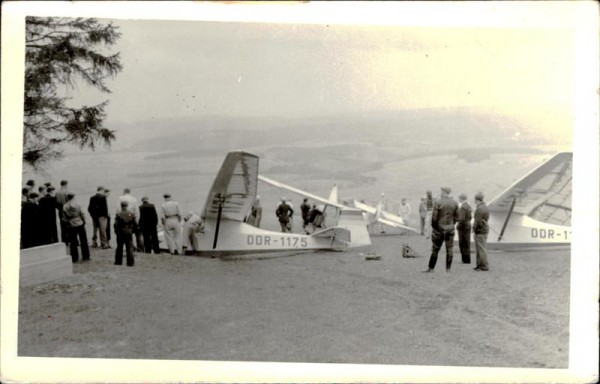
480,230
171,221
148,222
443,219
125,226
464,228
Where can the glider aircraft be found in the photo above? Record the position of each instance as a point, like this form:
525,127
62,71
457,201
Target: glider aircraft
377,215
228,202
536,210
371,215
346,217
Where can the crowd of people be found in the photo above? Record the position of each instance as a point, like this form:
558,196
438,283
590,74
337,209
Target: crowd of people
42,208
312,216
438,219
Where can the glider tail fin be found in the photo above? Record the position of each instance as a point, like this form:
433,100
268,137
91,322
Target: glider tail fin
352,220
333,195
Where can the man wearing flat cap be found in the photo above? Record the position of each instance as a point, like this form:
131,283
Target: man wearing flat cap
443,220
480,232
465,213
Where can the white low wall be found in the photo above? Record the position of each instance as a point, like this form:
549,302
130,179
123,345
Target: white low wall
44,263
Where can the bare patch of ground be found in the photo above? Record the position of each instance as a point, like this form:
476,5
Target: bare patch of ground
325,307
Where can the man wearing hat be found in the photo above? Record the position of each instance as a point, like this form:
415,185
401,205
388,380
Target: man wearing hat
480,231
283,213
148,223
443,218
30,222
47,209
171,221
465,213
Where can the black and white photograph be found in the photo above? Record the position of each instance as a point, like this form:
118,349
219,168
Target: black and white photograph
300,192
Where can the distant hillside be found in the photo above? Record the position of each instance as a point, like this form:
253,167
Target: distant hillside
400,153
415,130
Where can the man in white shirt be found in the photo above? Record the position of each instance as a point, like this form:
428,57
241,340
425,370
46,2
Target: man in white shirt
171,220
404,211
132,204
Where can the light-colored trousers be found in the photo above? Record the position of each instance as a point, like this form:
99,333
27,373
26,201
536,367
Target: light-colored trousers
173,234
480,240
100,226
190,241
428,224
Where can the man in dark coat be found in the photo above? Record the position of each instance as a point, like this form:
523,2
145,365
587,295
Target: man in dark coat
480,231
48,207
284,213
125,226
305,208
315,219
61,198
443,219
30,222
464,228
148,223
108,227
98,210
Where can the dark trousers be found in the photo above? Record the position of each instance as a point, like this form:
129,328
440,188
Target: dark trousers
108,229
64,232
438,238
464,242
74,232
150,240
125,239
286,225
422,222
139,240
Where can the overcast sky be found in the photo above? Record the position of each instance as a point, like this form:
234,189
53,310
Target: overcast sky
199,68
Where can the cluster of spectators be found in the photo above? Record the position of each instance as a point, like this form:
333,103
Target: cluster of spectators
41,206
41,210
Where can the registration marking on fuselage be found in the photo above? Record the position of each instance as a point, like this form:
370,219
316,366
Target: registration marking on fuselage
283,241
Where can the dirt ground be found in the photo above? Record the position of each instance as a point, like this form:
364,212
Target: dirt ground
324,307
